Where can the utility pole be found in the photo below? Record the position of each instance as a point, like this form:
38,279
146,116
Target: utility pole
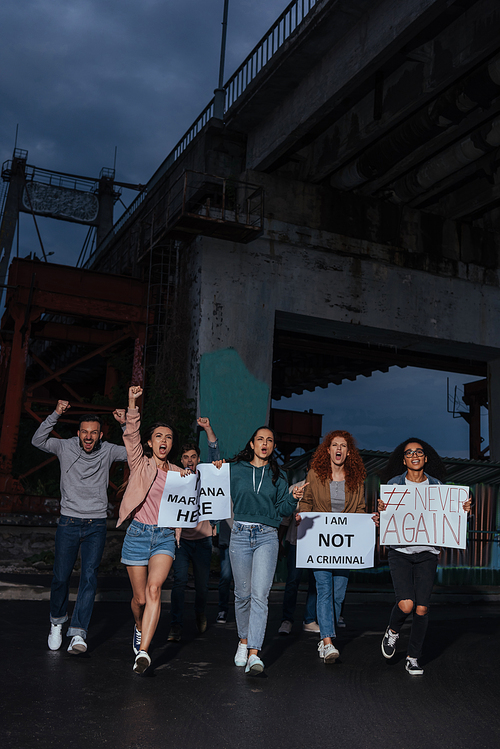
220,94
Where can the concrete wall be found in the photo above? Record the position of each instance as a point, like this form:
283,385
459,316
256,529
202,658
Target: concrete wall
312,281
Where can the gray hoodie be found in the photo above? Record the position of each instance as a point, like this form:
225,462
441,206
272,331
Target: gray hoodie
84,476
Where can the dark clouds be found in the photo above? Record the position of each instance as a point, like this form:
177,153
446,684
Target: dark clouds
81,76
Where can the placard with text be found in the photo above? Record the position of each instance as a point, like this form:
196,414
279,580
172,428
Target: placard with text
430,515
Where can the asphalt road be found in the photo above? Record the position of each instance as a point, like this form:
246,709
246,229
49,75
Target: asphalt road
193,696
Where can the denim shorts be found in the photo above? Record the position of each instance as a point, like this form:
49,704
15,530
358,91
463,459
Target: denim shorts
144,541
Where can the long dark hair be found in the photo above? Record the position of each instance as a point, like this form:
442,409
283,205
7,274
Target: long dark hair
147,433
247,454
395,467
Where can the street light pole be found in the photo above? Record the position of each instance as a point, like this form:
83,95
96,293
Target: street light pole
220,94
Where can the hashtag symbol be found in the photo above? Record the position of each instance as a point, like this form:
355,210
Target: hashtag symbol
400,502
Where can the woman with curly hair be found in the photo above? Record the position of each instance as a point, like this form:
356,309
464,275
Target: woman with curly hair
413,568
335,484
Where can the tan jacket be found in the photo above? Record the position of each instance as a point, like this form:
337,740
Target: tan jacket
143,470
317,497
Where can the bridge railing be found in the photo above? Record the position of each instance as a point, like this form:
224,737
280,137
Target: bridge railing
270,43
291,18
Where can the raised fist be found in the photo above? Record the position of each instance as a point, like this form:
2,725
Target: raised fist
119,414
62,406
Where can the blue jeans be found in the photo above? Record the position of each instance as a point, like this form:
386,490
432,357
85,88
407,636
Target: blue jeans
73,534
293,578
226,576
199,552
253,550
331,586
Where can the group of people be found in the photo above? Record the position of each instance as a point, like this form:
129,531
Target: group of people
249,540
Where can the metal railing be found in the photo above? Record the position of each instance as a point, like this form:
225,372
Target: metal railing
270,43
291,18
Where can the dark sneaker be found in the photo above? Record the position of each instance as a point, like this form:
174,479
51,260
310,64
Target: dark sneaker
285,628
136,641
389,643
413,668
221,617
175,633
201,623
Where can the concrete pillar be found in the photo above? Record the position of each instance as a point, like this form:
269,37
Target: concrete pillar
494,408
234,344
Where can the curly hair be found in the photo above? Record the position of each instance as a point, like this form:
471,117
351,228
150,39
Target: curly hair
354,469
395,466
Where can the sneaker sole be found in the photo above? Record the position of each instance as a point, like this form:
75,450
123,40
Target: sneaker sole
415,673
257,668
141,665
77,649
331,657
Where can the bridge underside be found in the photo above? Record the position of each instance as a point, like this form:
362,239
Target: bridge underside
372,136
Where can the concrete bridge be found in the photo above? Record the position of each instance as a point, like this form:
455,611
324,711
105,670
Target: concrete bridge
341,217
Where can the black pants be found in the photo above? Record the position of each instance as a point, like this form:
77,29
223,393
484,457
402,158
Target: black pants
413,578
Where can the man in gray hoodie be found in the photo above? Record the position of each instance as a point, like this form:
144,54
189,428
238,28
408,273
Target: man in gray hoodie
85,462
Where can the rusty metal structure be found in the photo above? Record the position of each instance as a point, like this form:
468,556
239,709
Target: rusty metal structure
60,321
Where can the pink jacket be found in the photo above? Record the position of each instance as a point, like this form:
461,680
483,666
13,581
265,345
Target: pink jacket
143,470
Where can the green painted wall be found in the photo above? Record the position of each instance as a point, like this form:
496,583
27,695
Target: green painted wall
234,400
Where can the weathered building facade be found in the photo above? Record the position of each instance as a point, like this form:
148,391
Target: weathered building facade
341,218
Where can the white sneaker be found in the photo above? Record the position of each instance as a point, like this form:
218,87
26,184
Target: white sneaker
286,628
55,636
310,627
254,665
330,653
241,657
142,662
321,649
77,645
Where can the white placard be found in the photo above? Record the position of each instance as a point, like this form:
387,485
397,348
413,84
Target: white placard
335,540
430,515
204,495
215,492
179,506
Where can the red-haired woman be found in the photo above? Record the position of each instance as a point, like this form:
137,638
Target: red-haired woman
335,484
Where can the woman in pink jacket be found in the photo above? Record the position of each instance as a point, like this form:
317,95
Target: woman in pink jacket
148,551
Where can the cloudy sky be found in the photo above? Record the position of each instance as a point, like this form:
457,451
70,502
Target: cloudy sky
81,77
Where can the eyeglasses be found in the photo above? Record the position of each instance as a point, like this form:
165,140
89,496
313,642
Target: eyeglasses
418,452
